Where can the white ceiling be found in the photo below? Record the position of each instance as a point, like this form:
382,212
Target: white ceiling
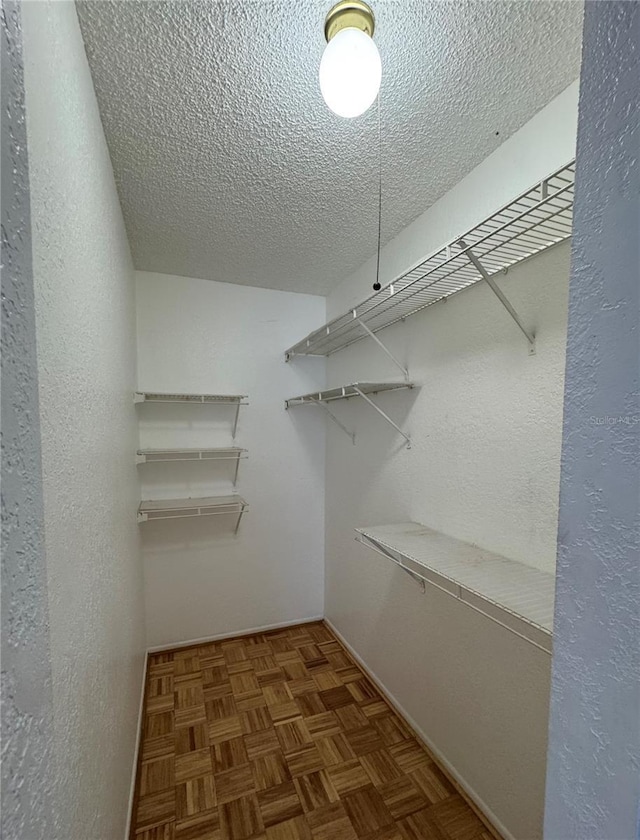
228,163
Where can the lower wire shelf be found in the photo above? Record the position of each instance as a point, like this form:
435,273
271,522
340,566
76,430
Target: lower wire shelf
346,392
181,508
518,597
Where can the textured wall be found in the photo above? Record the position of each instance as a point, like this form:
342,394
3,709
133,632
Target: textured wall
202,336
593,787
28,768
484,466
85,321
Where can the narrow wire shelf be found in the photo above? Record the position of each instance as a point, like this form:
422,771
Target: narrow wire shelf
538,219
364,390
345,392
149,456
195,399
198,399
181,508
163,456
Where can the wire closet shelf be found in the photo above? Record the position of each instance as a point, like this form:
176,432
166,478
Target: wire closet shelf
536,220
518,597
197,399
229,453
187,508
345,392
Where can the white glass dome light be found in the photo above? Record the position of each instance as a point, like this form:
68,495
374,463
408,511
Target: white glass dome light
350,70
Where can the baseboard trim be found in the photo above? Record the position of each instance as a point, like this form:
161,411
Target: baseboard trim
238,634
466,791
136,753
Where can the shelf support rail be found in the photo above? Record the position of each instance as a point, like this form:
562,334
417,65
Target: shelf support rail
383,414
369,543
235,427
499,294
240,512
383,347
352,435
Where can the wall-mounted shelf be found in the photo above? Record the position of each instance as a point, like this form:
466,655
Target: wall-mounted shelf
180,508
364,390
229,453
345,392
198,399
536,220
194,399
518,597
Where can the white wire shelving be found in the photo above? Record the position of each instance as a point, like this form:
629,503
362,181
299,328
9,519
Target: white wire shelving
194,399
229,453
345,392
538,219
518,597
181,508
199,399
364,390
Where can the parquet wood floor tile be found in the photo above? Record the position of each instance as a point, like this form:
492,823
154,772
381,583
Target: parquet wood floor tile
281,736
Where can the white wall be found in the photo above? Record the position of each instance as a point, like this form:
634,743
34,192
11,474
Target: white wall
484,467
199,336
85,322
28,756
593,778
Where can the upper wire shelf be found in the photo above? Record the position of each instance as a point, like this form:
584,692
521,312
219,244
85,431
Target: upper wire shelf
195,399
536,220
198,399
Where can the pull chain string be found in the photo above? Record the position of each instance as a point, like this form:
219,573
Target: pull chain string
376,285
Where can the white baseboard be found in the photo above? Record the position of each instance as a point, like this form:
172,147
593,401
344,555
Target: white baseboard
248,632
469,791
132,789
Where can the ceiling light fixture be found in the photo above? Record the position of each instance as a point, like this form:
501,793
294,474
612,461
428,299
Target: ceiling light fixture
350,69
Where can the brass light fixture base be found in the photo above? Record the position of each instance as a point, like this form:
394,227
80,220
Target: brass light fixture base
347,14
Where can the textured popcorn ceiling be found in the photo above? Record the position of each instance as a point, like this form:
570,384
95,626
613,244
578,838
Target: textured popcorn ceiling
230,166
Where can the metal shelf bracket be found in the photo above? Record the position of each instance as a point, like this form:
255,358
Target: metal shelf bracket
383,347
235,474
352,435
374,546
500,295
240,514
384,415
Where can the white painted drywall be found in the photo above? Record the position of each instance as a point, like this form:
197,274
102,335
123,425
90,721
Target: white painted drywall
484,467
199,336
28,755
593,776
85,323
